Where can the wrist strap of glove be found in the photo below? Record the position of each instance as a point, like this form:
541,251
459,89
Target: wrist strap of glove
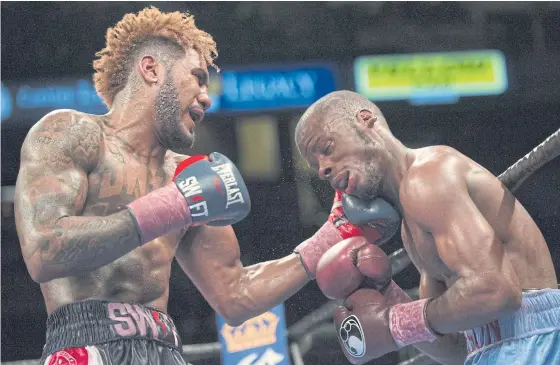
312,249
162,211
408,323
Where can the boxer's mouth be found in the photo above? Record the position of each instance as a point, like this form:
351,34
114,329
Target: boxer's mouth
196,114
341,181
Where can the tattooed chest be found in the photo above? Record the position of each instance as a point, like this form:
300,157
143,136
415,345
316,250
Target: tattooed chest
115,183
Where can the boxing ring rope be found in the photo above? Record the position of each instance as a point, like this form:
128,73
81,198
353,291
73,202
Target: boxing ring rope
317,325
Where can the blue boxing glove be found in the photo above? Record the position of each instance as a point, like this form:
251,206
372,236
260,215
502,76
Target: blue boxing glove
214,190
376,213
205,190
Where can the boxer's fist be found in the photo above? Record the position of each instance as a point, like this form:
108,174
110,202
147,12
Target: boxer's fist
351,264
376,219
362,325
214,190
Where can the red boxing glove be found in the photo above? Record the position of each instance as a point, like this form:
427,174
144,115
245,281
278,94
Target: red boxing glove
351,264
368,327
336,229
362,325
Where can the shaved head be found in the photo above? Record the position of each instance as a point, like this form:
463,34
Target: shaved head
336,137
338,109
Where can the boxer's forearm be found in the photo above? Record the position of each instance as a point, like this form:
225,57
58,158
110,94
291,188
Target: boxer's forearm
79,244
448,350
266,285
470,303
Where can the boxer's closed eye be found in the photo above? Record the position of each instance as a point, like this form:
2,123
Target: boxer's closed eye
328,149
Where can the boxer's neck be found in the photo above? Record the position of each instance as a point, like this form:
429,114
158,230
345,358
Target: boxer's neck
400,159
133,119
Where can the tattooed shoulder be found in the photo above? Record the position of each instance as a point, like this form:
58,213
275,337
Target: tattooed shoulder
63,138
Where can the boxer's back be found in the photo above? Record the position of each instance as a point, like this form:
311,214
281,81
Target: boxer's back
524,243
119,177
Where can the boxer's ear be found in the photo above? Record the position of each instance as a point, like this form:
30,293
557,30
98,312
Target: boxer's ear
148,69
366,118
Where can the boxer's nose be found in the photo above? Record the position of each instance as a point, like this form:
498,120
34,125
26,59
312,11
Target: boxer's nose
324,173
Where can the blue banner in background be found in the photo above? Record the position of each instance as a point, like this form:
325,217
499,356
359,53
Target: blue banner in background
252,89
261,340
275,88
30,101
79,95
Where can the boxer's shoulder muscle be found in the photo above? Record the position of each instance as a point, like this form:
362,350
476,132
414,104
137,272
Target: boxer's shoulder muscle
64,138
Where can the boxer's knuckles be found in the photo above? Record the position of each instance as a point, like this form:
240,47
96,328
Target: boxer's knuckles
337,274
343,268
373,262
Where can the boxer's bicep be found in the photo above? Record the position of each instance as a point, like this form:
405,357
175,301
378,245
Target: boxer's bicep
465,242
210,256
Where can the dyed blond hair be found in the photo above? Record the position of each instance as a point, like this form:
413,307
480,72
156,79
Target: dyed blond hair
123,40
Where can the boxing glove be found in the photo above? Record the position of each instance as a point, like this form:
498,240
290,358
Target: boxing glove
351,264
362,326
333,231
376,214
205,190
369,327
214,190
338,228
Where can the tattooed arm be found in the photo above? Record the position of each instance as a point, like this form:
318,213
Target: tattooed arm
56,157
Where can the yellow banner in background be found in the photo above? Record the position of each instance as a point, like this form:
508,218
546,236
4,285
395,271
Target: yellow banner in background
449,74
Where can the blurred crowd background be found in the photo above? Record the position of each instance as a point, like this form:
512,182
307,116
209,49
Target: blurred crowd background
276,59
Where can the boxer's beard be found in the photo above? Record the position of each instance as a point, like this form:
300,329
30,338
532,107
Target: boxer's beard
168,117
373,185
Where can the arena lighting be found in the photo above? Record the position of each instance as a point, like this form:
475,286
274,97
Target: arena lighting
431,78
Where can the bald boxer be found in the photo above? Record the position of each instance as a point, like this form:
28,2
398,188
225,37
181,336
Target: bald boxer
104,203
486,272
